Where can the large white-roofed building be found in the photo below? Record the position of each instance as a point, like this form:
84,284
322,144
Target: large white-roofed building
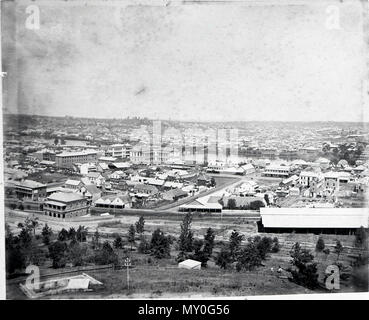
313,220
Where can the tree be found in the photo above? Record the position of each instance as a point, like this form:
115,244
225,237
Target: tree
76,253
338,248
57,252
81,234
256,205
63,235
106,255
235,241
249,257
276,246
131,235
140,225
208,244
143,247
320,245
159,245
213,182
15,257
360,272
46,234
72,234
118,242
224,258
56,141
232,204
185,240
266,198
305,270
30,224
361,238
96,239
263,246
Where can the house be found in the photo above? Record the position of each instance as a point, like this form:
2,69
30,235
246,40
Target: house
306,177
201,205
190,264
96,178
90,192
73,184
203,180
174,195
290,182
65,205
246,203
30,190
117,201
248,169
144,190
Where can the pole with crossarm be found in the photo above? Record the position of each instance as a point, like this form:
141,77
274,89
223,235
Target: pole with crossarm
127,263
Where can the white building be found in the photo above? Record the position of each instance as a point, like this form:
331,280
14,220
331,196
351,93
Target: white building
314,220
277,171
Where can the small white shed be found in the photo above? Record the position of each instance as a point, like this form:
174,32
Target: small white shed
190,264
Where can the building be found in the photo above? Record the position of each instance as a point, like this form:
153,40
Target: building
121,151
73,184
65,205
30,190
68,159
201,205
277,171
174,194
306,177
313,220
118,201
190,264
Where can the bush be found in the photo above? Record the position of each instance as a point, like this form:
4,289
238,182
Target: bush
320,245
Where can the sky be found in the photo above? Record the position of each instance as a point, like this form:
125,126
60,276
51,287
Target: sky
215,62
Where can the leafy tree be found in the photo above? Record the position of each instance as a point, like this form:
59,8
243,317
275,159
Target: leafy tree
249,257
338,249
159,245
63,235
144,246
118,242
209,242
57,252
30,224
72,234
235,241
266,198
81,234
15,257
264,245
232,204
46,234
140,225
185,240
213,182
305,270
106,255
256,205
131,235
76,253
360,272
96,239
276,245
361,238
320,245
224,258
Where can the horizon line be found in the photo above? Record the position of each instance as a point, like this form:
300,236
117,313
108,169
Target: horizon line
177,120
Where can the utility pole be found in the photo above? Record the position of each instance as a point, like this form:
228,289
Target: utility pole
127,263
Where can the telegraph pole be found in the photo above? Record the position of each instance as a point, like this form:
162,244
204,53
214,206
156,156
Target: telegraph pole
127,263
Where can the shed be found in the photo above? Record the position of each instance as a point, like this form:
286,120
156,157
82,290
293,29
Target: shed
190,264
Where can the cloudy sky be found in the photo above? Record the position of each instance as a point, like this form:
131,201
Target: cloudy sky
188,62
